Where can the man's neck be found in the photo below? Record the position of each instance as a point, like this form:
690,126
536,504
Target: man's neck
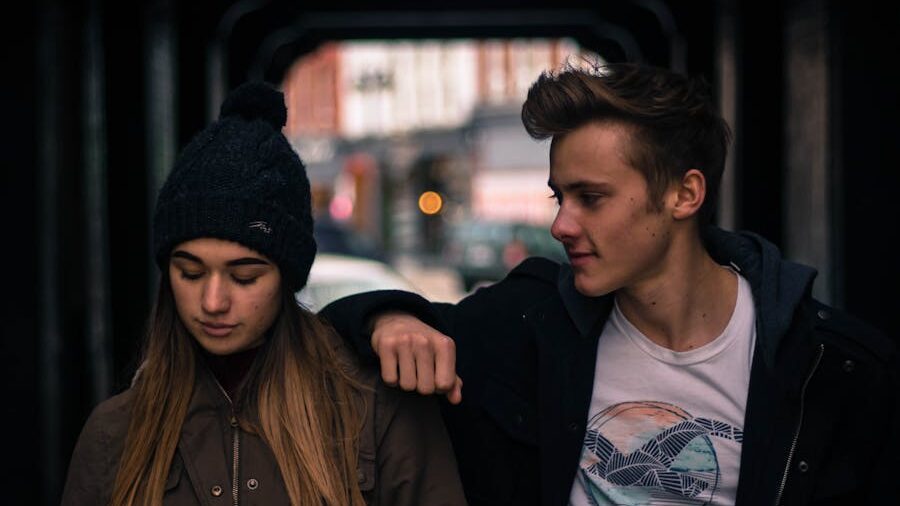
686,306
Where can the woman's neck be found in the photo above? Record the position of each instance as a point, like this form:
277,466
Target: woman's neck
231,370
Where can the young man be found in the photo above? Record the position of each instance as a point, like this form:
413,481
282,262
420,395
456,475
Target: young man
670,362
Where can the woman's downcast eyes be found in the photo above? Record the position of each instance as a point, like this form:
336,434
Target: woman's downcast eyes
241,280
191,276
244,281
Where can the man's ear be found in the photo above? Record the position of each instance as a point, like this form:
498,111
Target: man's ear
688,195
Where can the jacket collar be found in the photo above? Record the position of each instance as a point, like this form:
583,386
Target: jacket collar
778,286
586,312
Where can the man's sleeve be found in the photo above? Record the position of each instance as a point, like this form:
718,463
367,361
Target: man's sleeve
351,316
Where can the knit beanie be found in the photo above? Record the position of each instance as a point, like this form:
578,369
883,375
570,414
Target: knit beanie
240,180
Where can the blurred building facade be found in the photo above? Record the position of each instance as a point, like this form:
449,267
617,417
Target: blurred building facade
433,115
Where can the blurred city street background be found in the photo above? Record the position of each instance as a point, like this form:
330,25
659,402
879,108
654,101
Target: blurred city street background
417,156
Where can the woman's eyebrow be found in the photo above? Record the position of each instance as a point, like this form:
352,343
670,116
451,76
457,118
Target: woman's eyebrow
187,256
247,261
232,263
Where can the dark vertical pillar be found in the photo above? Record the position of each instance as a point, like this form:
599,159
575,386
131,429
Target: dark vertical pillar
20,474
160,106
49,133
866,46
96,222
808,222
759,150
127,158
727,84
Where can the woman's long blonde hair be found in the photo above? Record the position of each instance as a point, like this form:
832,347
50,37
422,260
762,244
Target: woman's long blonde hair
300,398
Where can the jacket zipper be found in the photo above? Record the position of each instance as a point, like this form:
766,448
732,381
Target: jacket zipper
787,465
235,447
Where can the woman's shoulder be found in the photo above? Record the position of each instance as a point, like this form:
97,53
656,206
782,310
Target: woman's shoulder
95,458
115,407
109,420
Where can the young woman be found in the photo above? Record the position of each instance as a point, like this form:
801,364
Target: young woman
244,397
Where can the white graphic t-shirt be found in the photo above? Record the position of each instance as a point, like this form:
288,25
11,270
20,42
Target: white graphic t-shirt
666,427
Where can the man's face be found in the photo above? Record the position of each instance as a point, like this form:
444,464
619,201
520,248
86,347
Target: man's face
614,236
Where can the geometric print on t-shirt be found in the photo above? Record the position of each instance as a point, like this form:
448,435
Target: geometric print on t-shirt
640,453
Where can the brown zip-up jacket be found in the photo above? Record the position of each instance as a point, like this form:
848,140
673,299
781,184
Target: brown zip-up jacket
405,457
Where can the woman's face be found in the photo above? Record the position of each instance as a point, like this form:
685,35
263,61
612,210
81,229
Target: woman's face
227,295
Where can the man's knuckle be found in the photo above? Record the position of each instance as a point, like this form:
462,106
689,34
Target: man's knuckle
421,343
447,344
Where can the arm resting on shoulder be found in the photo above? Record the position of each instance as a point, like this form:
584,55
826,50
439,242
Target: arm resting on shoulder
351,316
400,330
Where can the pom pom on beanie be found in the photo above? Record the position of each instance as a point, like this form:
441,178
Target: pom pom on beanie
256,101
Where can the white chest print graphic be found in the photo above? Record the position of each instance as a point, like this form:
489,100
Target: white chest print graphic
639,453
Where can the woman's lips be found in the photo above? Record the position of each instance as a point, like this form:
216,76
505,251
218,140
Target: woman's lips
217,329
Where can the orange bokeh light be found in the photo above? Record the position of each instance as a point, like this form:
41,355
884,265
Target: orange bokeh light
430,202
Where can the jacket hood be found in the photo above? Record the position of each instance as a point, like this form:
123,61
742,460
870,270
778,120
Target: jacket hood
779,285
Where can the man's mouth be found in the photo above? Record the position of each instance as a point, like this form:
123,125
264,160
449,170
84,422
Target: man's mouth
579,257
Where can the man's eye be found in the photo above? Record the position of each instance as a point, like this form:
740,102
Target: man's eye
555,196
590,199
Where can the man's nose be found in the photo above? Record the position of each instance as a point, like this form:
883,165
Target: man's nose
564,226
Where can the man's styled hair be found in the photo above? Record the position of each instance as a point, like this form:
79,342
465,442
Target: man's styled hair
673,122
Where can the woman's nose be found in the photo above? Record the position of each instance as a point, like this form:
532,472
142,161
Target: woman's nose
215,295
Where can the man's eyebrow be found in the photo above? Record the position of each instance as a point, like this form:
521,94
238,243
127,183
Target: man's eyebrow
576,185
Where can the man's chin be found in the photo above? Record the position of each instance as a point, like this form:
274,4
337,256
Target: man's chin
590,287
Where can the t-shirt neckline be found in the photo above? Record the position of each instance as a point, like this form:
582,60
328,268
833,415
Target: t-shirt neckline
709,350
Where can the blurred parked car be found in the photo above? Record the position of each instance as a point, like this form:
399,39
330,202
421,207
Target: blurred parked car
485,251
334,276
333,237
